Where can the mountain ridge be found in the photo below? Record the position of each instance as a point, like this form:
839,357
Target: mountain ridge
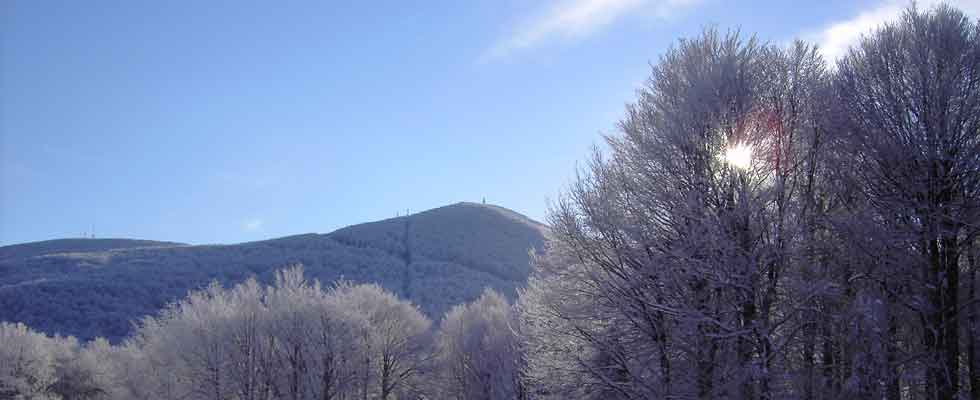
436,258
76,245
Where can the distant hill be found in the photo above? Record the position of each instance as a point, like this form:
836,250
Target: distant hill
97,287
35,249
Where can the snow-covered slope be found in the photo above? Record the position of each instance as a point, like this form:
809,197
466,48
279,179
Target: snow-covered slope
436,258
33,249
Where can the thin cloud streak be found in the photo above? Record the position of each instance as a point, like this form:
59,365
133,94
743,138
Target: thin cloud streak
253,225
835,38
575,19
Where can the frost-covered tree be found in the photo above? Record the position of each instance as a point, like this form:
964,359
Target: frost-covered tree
764,228
396,342
909,98
83,372
27,363
36,366
312,337
677,249
558,315
478,351
291,340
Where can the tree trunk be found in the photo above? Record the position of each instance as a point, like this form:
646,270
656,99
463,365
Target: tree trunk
364,386
385,379
942,334
745,351
706,372
893,391
665,361
951,326
809,342
971,329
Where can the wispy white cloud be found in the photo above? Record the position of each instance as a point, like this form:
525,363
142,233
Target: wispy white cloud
253,225
835,38
574,19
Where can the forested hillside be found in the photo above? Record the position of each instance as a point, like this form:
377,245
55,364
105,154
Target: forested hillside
34,249
436,259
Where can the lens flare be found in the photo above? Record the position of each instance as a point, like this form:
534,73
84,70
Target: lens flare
739,156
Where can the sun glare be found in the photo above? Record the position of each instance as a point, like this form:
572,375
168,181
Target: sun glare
739,156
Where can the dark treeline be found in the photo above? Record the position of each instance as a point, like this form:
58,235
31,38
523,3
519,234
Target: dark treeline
764,225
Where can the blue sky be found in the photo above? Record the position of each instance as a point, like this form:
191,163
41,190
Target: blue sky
223,122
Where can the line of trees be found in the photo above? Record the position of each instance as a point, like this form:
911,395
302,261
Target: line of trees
291,340
761,227
838,261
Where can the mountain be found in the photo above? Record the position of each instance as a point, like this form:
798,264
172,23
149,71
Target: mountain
98,287
34,249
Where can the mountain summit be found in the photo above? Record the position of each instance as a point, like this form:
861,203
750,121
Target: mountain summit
436,259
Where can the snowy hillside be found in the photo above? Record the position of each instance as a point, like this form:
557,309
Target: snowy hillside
436,259
33,249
